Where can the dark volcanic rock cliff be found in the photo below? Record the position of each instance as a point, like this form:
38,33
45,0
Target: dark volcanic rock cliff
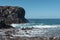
12,14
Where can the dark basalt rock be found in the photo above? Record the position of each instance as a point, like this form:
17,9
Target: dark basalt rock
3,25
11,14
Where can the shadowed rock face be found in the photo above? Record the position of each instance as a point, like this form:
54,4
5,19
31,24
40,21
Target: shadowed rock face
11,14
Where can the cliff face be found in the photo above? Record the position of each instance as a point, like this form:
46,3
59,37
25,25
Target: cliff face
11,14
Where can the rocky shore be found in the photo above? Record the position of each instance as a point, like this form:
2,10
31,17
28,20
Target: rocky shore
10,15
15,34
16,15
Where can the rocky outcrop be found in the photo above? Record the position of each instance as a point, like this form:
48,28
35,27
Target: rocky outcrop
12,14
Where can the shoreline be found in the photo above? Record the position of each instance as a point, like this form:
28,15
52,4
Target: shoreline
9,35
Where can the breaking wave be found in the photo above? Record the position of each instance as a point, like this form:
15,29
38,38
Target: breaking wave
34,25
44,30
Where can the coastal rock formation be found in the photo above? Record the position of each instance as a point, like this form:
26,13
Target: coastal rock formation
12,14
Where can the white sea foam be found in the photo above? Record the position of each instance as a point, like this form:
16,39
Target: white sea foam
42,30
34,26
46,26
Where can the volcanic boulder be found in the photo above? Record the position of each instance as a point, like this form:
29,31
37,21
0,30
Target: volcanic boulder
12,14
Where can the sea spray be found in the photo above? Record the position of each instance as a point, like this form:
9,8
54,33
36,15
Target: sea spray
41,29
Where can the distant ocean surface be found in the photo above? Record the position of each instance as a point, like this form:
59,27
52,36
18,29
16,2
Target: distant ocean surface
45,21
49,27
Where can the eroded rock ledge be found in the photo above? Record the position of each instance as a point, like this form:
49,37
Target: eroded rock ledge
12,14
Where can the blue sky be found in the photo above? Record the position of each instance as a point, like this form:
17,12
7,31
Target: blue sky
36,8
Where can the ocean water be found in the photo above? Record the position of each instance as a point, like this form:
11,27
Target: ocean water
39,22
45,21
47,27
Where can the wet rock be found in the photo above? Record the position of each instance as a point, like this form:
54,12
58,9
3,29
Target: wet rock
3,25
